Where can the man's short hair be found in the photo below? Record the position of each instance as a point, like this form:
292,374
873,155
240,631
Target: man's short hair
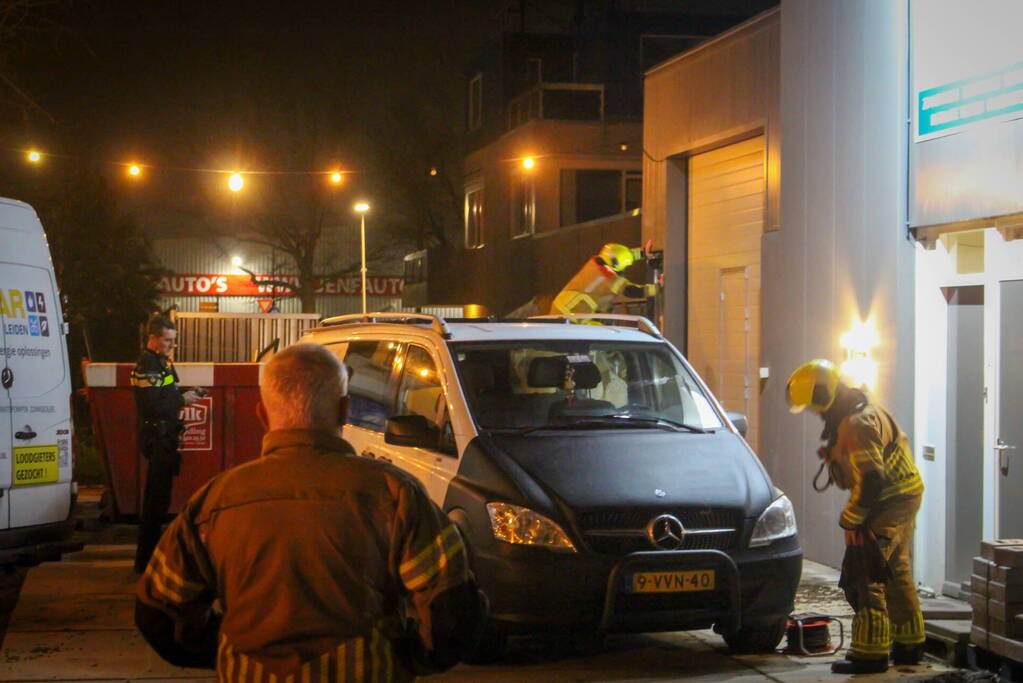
157,324
302,386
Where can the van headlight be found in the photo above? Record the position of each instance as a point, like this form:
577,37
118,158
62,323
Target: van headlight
515,524
778,521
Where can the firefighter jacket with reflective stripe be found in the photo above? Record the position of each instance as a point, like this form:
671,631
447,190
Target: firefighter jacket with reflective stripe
157,395
872,459
593,289
316,557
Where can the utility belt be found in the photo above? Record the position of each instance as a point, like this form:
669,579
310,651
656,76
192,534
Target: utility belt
163,428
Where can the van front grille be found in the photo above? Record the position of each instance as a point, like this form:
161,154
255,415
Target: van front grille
620,532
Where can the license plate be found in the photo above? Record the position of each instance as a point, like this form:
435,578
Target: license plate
673,582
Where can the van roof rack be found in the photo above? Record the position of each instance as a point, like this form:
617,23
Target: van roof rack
640,322
395,318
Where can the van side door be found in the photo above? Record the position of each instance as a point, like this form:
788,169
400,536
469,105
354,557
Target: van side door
35,456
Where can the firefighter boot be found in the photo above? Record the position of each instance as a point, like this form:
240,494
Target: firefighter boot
907,655
856,665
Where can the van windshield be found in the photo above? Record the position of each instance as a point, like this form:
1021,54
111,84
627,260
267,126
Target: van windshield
524,385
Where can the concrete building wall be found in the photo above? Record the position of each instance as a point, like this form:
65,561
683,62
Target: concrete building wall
825,82
724,91
841,255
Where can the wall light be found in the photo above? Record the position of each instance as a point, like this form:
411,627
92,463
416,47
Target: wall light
859,367
236,261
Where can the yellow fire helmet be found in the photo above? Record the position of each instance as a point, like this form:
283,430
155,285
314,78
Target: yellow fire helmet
813,385
618,257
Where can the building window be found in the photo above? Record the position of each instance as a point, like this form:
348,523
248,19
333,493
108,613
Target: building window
589,194
476,102
523,207
633,190
474,218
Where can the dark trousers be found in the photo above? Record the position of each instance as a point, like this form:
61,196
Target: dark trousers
163,465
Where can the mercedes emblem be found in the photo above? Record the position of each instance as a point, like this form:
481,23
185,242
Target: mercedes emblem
666,532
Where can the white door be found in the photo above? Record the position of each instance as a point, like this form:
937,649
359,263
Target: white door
37,457
726,220
1009,431
421,392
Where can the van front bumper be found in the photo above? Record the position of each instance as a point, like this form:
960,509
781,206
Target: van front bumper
534,590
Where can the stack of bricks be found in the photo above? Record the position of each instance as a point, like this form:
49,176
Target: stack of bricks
997,598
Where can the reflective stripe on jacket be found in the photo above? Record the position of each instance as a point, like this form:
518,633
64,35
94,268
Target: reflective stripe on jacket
313,554
874,461
593,289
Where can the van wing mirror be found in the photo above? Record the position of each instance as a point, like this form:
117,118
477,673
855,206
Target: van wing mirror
411,430
740,422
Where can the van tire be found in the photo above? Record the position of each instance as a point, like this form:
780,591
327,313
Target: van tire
757,637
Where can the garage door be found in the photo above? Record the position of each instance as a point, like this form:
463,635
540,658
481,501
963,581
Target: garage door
726,220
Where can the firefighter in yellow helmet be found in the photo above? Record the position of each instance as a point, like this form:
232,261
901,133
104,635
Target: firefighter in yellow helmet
867,454
594,287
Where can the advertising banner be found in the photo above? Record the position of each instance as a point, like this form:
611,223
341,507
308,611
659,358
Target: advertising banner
213,284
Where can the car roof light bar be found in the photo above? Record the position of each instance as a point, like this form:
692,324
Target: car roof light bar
641,323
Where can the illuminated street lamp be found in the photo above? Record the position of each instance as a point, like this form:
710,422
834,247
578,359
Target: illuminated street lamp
528,163
34,156
361,208
336,177
134,171
235,183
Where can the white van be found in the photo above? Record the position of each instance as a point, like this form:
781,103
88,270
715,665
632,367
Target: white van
36,491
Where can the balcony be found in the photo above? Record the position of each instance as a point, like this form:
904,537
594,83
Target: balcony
557,101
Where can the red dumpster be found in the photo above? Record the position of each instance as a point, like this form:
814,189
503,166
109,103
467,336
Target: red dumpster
221,430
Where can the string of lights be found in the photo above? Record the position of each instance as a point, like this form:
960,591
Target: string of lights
235,177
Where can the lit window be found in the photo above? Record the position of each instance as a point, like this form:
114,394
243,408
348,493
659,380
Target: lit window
474,218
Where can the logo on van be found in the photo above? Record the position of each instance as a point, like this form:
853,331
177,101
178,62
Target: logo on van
28,306
666,532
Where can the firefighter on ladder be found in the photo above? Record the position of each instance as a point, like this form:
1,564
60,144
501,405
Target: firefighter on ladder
594,288
867,454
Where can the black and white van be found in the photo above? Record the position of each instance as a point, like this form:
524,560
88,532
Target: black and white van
597,481
37,493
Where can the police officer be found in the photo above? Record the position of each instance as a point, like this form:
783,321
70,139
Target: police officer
158,400
868,455
594,287
327,566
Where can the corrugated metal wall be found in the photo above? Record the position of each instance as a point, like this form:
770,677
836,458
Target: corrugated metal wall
217,338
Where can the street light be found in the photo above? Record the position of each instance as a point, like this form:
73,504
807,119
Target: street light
336,177
134,170
528,163
34,156
235,183
361,208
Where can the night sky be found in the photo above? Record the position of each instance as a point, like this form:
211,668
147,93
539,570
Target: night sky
274,86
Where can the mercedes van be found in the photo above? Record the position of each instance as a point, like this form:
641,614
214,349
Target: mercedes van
597,482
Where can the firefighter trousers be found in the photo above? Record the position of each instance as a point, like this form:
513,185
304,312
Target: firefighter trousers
888,611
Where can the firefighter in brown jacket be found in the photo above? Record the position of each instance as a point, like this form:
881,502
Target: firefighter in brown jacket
598,282
306,564
868,455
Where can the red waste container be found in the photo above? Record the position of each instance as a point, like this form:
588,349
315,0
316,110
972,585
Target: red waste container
221,430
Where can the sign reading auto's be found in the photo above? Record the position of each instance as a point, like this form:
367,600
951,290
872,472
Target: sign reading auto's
243,285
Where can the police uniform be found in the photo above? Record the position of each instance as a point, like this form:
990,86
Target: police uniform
158,401
593,289
317,557
872,459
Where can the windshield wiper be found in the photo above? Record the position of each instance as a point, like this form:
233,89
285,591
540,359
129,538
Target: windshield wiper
661,421
603,421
